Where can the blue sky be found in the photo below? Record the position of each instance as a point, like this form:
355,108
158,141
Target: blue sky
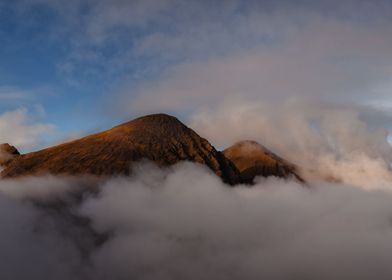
82,66
31,58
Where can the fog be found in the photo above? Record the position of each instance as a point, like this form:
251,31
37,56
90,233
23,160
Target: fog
184,223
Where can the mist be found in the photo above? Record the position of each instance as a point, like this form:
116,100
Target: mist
184,223
328,141
190,226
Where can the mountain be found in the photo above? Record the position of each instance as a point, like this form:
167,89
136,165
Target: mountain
252,159
161,138
7,153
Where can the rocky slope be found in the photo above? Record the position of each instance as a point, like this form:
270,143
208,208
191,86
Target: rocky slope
160,138
252,159
7,154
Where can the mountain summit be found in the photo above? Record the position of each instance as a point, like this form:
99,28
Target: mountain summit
160,138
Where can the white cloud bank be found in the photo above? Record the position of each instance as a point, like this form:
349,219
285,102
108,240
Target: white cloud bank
183,223
190,226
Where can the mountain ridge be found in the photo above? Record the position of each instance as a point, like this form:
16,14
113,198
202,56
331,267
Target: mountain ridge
161,138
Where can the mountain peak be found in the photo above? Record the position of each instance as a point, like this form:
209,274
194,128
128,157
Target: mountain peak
160,138
155,120
160,117
156,125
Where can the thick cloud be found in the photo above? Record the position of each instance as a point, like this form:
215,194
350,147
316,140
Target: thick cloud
190,226
32,247
184,223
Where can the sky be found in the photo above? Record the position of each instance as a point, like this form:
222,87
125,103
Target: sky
71,68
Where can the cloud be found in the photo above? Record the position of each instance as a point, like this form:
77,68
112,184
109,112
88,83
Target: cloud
325,60
333,141
18,128
9,94
177,57
189,226
183,222
32,248
108,38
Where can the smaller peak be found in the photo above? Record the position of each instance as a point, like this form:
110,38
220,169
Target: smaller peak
253,159
247,143
7,153
248,146
8,149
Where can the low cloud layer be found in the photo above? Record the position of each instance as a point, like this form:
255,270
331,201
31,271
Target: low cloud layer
191,226
32,248
184,223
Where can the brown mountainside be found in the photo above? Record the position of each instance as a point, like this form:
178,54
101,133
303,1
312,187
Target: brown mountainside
252,159
160,138
7,153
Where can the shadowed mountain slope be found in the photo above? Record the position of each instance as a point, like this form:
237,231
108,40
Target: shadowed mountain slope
252,159
160,138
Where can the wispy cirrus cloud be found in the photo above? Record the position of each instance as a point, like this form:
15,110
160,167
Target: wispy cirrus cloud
13,94
182,57
109,36
334,61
